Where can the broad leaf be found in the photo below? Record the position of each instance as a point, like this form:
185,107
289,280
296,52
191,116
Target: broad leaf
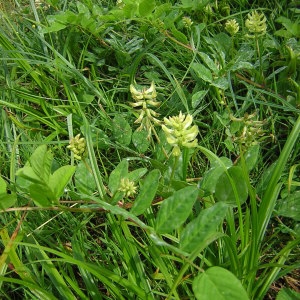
7,200
3,186
197,98
116,175
40,161
140,141
122,130
209,62
146,7
287,294
231,187
251,156
210,178
59,179
136,174
27,173
218,283
84,180
175,210
202,72
202,227
42,195
147,193
290,206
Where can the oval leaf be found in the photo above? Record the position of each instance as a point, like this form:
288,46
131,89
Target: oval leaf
3,186
140,141
231,184
59,179
84,180
218,283
201,228
122,130
290,206
176,209
147,193
202,72
119,172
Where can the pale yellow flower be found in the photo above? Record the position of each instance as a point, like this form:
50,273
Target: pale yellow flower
232,27
256,23
128,187
179,133
145,100
77,146
187,21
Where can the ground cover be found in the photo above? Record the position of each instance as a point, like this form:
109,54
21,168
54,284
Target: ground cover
149,149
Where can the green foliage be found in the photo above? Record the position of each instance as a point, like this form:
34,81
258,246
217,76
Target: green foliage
44,187
129,220
218,282
6,200
176,209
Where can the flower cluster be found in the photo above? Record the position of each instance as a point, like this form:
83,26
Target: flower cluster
77,146
256,23
128,187
145,99
252,130
232,27
187,22
179,132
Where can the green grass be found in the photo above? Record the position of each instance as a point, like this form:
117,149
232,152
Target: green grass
219,220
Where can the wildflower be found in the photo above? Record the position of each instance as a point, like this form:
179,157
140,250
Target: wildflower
145,99
187,21
128,187
179,133
256,23
120,4
77,146
232,27
252,130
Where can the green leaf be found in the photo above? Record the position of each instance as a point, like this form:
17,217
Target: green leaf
175,210
287,294
42,195
99,137
84,180
218,283
122,130
231,184
7,200
147,193
146,7
221,83
202,227
27,173
209,62
223,161
179,35
197,98
3,186
290,206
59,179
136,174
140,141
40,161
210,178
82,9
265,179
116,175
54,27
251,156
202,72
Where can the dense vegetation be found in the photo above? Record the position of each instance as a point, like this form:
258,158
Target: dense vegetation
149,149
